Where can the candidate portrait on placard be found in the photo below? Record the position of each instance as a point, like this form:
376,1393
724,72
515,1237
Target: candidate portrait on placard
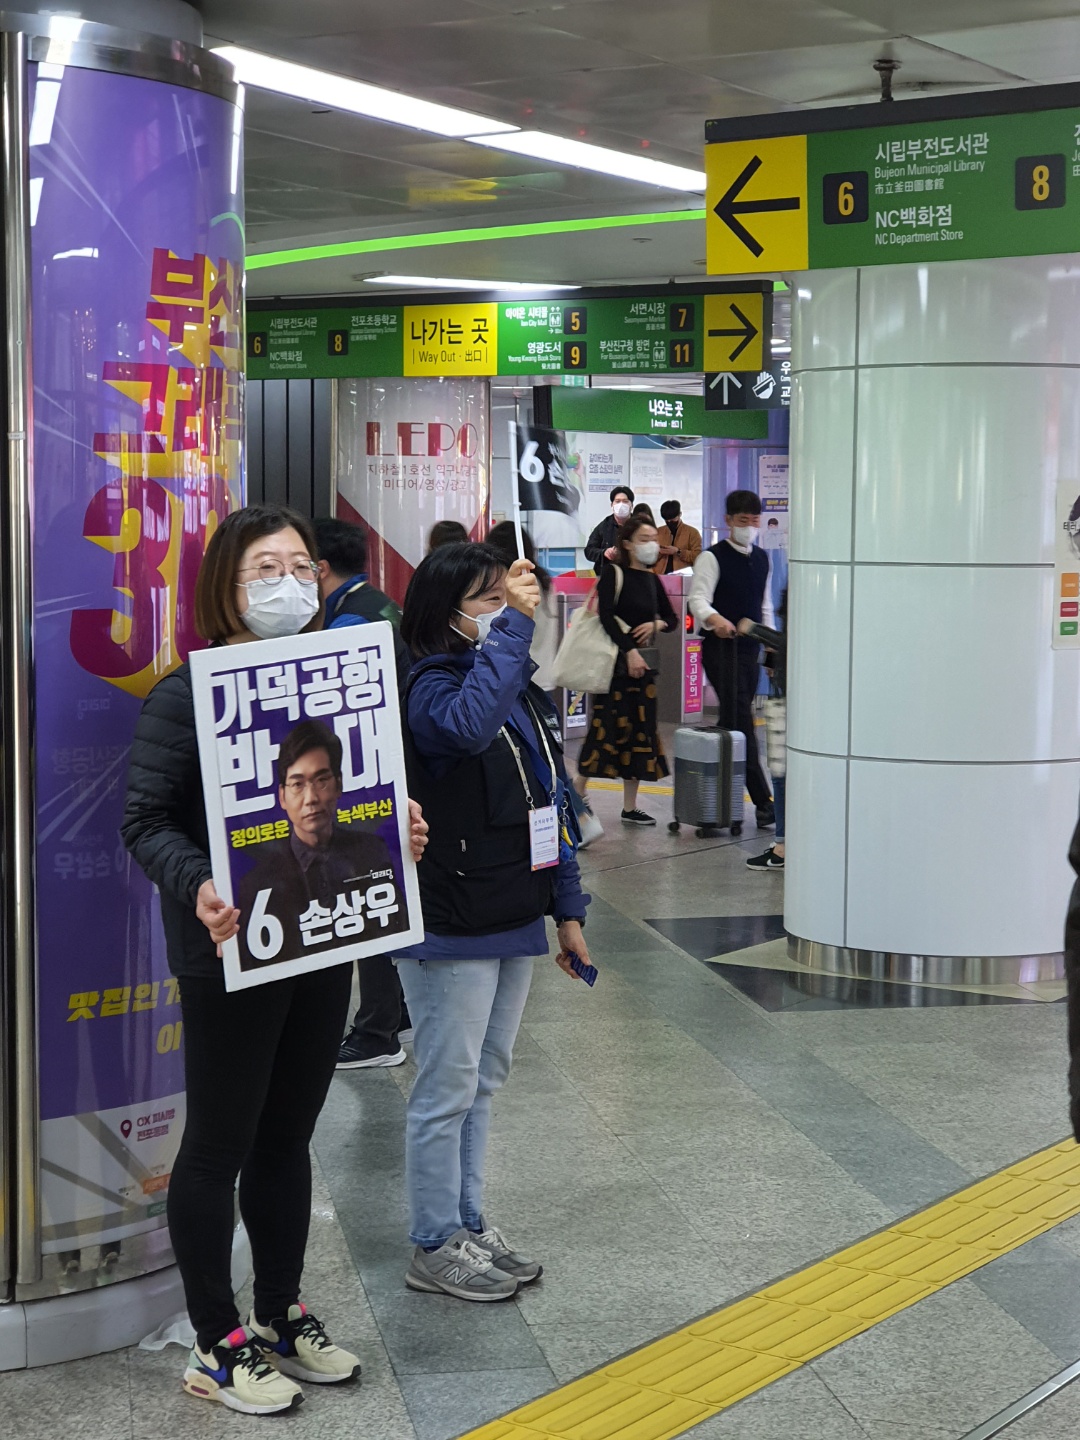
325,882
306,800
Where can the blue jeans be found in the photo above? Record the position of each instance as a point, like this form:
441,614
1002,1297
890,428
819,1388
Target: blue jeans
466,1015
778,784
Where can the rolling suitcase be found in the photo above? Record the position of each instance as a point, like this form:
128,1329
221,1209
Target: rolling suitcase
710,777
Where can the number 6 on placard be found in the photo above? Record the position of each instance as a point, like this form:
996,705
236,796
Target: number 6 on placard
263,924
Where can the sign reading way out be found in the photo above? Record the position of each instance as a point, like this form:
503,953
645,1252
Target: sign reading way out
953,178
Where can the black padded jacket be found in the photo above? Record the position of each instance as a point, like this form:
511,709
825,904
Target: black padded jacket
1072,975
164,824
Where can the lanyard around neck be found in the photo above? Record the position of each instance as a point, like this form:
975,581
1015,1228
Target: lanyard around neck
505,733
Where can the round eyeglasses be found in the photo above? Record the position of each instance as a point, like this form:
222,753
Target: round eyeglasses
273,571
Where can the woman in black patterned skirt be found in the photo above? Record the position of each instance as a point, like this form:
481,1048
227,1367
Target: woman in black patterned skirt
623,742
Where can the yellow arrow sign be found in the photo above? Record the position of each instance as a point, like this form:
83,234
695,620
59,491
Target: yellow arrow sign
734,332
756,206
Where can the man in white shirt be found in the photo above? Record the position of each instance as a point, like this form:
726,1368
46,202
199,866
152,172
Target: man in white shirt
731,583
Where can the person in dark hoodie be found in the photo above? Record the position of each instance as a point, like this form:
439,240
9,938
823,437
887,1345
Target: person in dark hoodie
1072,976
483,753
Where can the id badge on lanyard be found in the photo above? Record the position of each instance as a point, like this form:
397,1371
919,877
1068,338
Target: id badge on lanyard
543,820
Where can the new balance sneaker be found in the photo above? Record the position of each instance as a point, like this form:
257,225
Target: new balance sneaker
238,1374
637,817
461,1268
299,1346
590,828
505,1258
769,861
357,1053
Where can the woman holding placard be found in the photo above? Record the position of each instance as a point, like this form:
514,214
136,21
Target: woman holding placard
258,1061
484,757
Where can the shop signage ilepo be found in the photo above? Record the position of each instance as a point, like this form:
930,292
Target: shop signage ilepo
953,178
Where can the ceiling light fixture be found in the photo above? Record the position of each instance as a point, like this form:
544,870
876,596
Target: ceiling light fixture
266,72
553,148
303,254
428,282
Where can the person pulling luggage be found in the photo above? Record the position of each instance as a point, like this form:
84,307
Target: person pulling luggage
731,583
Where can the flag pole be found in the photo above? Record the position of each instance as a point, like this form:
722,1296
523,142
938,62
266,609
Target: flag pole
515,466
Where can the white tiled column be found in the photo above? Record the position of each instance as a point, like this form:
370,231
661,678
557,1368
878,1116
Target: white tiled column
934,734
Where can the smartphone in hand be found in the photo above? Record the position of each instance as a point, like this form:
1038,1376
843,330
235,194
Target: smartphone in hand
588,973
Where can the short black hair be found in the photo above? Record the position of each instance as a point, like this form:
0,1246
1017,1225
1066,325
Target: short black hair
620,490
443,579
301,740
447,532
774,521
344,547
670,510
743,502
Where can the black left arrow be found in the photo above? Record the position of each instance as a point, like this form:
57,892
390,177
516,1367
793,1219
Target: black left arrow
747,330
729,207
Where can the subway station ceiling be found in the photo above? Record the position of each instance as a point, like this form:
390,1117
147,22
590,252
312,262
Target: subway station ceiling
636,76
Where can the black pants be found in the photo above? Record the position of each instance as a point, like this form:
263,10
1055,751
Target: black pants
736,711
382,1010
258,1065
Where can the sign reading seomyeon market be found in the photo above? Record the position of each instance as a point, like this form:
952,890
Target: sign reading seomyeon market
954,178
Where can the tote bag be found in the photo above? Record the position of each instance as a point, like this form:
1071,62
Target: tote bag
587,655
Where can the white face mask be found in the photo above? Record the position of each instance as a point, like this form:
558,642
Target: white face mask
277,608
648,552
744,534
482,623
621,510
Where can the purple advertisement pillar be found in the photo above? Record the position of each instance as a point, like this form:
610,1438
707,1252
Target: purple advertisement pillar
137,251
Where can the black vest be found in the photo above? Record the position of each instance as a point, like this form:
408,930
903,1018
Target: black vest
476,875
741,588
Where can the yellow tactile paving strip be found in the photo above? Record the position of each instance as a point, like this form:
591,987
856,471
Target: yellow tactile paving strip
669,1386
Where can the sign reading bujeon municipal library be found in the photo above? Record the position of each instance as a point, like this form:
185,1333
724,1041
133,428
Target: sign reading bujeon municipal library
954,178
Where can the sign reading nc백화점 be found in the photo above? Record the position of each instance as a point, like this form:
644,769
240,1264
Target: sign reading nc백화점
138,259
306,803
1067,568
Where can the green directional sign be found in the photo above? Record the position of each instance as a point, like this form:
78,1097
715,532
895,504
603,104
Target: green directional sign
944,179
589,334
647,412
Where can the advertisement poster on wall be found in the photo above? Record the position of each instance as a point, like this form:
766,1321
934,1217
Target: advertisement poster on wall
773,491
411,452
1066,632
594,464
668,469
306,802
138,258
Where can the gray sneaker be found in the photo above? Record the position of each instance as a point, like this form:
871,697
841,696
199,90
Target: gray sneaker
506,1259
461,1268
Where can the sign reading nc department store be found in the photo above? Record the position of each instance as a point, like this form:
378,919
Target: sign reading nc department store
957,178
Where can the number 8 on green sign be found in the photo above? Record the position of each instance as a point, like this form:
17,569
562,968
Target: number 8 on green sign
1040,182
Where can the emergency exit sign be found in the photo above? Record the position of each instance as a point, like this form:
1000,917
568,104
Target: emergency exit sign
954,178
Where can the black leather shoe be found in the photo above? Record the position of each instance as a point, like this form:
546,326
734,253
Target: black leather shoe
766,817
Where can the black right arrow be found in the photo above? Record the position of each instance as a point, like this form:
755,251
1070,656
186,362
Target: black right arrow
729,206
747,331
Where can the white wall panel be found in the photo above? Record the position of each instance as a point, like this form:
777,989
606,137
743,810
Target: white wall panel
814,870
961,464
971,311
822,450
959,859
823,319
819,608
946,666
